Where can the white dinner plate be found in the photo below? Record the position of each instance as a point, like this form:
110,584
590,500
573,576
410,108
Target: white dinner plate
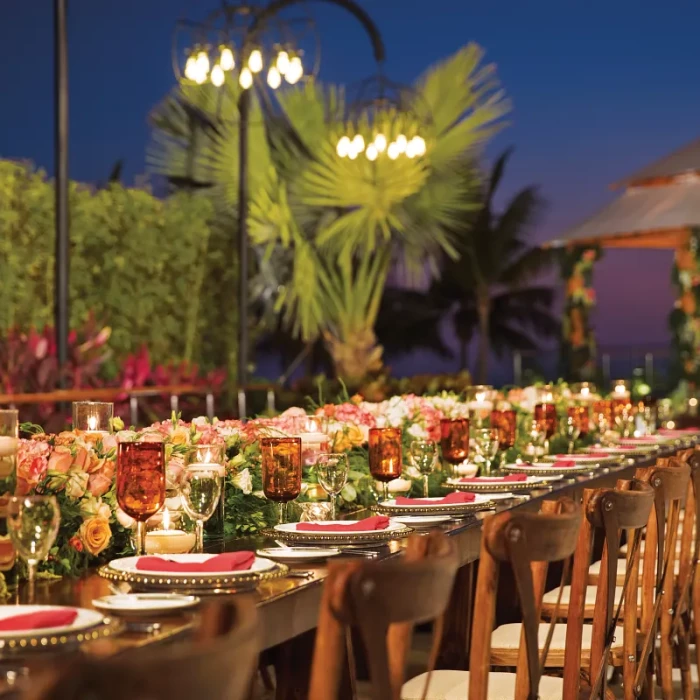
298,555
292,527
419,521
85,619
436,502
138,604
577,457
128,566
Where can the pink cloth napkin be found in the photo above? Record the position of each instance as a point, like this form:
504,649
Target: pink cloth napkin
494,479
576,458
452,498
376,522
644,438
564,463
42,619
230,561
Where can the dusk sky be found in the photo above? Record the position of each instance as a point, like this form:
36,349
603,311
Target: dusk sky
599,89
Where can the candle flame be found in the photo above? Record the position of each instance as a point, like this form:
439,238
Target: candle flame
207,457
92,422
481,396
166,518
585,391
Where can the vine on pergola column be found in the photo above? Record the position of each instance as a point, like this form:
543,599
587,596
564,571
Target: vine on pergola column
685,317
578,344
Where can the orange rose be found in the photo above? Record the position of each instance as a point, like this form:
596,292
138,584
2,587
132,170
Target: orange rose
101,481
81,459
60,460
95,535
351,436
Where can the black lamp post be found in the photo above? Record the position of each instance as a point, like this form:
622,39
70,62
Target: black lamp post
250,23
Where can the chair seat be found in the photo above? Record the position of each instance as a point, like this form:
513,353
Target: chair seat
453,685
550,600
594,571
505,644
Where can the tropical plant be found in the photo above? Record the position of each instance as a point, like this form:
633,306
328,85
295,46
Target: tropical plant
345,221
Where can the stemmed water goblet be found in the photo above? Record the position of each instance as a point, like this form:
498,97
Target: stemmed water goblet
200,489
140,483
33,523
424,455
385,455
486,444
571,430
281,470
537,438
332,472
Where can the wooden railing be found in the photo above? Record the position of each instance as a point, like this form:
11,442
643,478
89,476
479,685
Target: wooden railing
118,394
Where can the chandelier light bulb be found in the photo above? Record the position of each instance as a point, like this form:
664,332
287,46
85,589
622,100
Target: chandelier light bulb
217,76
274,79
380,143
418,145
226,60
411,149
283,62
294,71
343,147
393,150
353,152
401,142
358,143
191,70
202,64
371,152
245,79
255,61
200,77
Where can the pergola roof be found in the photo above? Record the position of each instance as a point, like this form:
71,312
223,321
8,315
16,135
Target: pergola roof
682,161
642,217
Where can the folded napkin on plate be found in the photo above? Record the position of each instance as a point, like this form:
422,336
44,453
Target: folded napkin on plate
494,479
230,561
564,463
450,499
376,522
42,619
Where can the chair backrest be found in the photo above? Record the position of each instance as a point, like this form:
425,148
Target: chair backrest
529,542
670,480
610,511
383,600
218,664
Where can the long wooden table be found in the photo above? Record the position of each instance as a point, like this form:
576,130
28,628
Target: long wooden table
289,607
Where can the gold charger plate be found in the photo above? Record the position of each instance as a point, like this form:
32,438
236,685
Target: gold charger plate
602,462
448,509
552,470
198,584
505,487
397,531
37,641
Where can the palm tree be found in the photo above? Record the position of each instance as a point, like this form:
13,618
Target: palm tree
489,285
344,221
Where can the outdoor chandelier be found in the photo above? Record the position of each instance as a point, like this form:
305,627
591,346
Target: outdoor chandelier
381,145
217,65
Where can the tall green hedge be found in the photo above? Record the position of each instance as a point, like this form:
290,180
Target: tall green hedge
144,266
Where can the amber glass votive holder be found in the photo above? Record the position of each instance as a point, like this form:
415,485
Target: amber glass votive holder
385,455
454,440
546,417
281,470
603,414
140,483
506,424
581,418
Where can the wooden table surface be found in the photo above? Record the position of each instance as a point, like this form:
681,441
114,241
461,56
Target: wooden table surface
289,607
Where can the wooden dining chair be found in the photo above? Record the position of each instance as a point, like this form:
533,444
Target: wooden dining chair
383,600
218,664
528,542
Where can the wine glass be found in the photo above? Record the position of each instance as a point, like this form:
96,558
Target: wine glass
570,428
200,489
486,443
281,470
140,483
385,455
424,455
33,523
454,440
537,437
332,471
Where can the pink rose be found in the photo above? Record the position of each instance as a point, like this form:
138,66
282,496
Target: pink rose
32,463
101,481
152,437
109,442
60,460
81,459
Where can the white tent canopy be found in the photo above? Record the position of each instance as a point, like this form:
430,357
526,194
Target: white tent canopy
682,161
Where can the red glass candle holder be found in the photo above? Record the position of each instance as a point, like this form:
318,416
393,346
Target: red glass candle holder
141,483
581,418
454,440
546,418
281,470
506,423
385,455
603,413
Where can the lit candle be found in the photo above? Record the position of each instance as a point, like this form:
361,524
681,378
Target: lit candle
400,485
167,541
8,446
465,469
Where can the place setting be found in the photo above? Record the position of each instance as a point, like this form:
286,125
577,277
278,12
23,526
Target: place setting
503,485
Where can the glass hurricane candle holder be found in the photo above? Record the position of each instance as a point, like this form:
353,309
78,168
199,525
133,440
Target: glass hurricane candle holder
454,440
584,391
140,483
281,470
506,423
9,442
620,389
167,533
93,416
211,457
479,401
603,414
385,455
546,417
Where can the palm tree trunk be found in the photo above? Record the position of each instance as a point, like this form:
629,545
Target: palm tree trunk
483,307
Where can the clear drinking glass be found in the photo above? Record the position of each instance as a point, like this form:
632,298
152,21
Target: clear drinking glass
571,429
537,437
332,471
200,493
424,455
93,416
486,443
33,525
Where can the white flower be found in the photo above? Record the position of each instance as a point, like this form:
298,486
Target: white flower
123,519
77,484
244,481
417,431
92,507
